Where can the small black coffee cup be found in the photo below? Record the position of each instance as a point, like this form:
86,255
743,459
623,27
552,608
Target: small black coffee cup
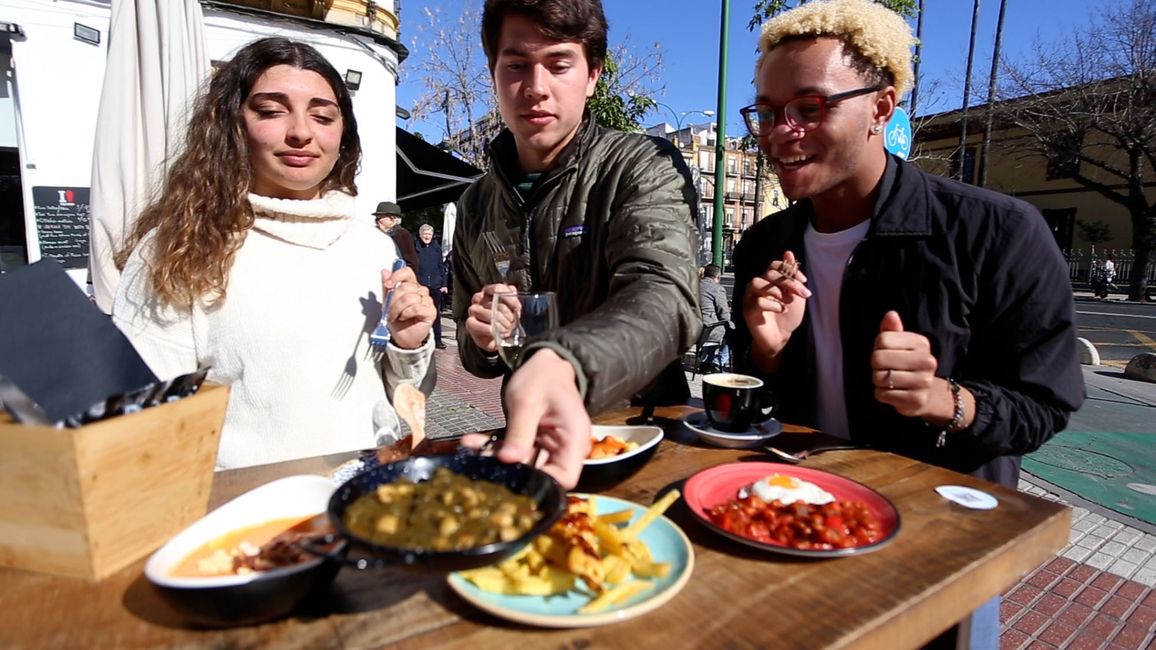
735,402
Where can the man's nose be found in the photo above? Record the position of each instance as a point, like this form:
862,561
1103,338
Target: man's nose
780,132
536,82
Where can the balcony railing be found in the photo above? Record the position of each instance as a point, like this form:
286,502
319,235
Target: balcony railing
364,14
1080,263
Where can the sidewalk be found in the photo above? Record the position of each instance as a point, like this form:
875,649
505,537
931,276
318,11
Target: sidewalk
1095,593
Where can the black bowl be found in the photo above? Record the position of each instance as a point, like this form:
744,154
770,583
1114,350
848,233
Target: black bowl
227,601
602,473
546,492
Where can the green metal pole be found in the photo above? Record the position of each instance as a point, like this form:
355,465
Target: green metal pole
720,139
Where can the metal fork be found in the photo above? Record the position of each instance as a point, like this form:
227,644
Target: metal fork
800,456
499,252
381,336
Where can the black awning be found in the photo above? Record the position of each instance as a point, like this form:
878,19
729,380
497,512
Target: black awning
428,176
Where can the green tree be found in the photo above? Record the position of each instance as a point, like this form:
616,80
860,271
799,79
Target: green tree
615,105
765,9
1093,232
1088,104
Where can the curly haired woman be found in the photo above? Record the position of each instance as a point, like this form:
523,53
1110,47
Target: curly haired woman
250,261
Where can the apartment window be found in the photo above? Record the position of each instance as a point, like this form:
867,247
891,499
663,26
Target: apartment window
968,165
730,186
704,160
1064,156
746,168
1062,223
730,218
730,165
746,187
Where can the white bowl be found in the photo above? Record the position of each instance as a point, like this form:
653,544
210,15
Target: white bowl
599,473
252,597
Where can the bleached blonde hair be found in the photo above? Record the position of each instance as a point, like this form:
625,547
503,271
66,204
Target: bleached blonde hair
877,34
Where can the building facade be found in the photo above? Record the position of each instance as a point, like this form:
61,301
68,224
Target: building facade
54,54
1016,168
751,190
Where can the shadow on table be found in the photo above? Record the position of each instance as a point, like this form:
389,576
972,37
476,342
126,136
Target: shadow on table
353,592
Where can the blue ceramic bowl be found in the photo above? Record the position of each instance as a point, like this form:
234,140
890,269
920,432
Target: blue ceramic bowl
546,492
602,473
225,601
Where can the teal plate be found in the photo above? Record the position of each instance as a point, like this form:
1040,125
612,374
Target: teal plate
667,543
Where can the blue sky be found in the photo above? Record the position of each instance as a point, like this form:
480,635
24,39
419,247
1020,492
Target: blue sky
688,32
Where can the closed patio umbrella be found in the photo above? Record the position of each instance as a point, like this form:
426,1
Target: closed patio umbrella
449,220
156,61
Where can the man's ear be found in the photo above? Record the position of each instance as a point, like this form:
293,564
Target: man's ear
592,82
885,103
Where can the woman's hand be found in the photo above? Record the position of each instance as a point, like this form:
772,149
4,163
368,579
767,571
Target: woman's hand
411,310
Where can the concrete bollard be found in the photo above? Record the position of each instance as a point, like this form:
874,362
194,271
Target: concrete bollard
1089,355
1142,367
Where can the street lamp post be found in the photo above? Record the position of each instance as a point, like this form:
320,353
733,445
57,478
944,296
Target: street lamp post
678,119
720,138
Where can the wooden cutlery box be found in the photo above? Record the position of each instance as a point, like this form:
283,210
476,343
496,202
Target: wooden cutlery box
87,502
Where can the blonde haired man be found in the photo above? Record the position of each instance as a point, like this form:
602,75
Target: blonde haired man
887,305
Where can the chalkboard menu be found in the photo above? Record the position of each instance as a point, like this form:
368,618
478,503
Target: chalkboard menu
62,224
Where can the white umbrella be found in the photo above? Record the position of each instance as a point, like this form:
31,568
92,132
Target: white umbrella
449,219
156,61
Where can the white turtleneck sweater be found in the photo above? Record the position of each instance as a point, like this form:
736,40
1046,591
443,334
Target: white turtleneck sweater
291,336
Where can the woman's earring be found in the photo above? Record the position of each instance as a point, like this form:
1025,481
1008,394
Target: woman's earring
876,129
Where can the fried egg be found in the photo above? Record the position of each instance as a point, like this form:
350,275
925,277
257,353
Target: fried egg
787,490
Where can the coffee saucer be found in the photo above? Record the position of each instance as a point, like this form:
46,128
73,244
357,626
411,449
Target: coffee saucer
752,437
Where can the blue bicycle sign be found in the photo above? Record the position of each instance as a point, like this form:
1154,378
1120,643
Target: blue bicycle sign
897,134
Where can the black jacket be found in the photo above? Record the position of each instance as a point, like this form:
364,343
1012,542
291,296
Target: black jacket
611,229
431,270
980,275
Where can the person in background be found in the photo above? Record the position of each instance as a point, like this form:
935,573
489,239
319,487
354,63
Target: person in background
431,273
603,218
388,219
888,305
715,305
251,261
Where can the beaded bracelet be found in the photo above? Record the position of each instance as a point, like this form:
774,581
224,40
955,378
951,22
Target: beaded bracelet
956,417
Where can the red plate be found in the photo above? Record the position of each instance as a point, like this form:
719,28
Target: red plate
719,484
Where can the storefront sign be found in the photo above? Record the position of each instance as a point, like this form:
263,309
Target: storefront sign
62,224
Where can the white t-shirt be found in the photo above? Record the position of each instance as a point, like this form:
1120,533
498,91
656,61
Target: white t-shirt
827,255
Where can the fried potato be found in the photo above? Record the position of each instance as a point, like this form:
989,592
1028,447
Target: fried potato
596,549
616,595
609,537
652,513
620,517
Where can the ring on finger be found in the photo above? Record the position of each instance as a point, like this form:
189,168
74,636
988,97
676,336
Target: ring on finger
890,383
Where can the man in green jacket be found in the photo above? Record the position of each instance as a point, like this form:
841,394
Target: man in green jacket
603,218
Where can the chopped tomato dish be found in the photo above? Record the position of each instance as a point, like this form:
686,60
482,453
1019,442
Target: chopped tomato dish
841,524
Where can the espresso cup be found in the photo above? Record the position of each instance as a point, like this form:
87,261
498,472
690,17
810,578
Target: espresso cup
734,402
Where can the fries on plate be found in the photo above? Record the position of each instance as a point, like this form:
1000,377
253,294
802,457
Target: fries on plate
595,554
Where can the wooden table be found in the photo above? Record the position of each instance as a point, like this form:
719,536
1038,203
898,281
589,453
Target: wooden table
944,562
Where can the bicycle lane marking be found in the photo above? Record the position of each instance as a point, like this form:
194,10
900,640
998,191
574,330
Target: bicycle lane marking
1105,313
1143,338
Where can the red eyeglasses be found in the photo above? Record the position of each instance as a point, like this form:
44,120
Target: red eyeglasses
804,113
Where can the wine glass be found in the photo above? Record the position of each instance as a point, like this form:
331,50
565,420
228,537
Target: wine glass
517,317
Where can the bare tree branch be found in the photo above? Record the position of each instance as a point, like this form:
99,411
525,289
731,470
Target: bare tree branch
1088,104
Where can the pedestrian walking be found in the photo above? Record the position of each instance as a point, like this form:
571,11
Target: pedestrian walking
431,273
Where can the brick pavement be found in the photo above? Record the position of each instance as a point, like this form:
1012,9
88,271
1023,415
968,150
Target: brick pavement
1097,592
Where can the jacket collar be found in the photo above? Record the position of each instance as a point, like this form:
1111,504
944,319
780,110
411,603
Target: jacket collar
901,207
504,153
